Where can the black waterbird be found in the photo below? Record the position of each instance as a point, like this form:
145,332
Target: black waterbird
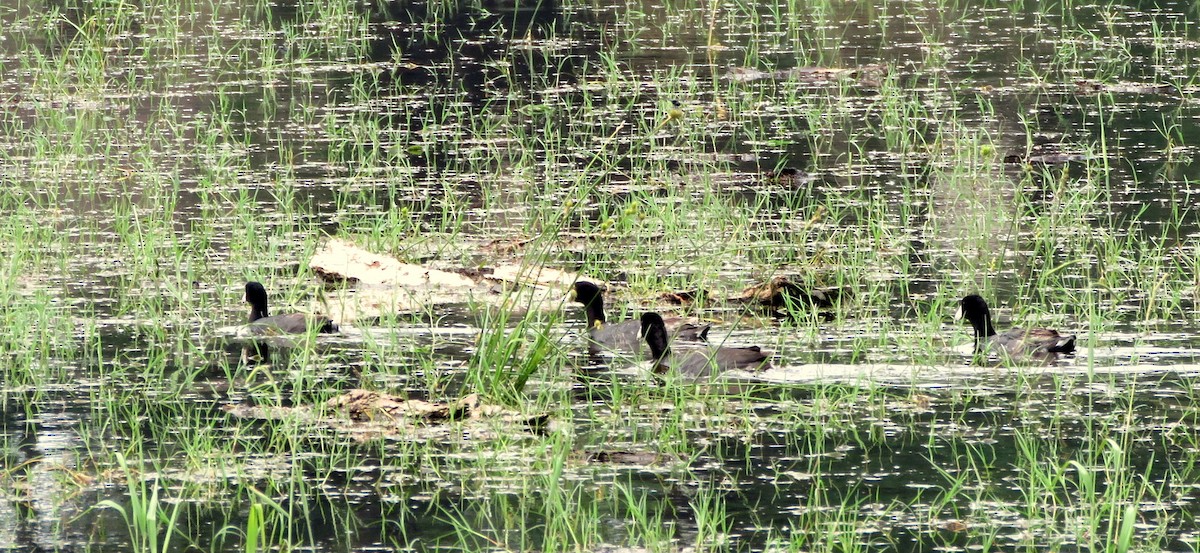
695,363
623,336
1015,343
262,323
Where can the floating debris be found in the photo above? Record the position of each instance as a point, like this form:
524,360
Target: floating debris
341,261
779,292
530,275
1085,86
870,75
505,246
385,285
380,411
683,297
365,405
1045,158
786,176
956,526
636,458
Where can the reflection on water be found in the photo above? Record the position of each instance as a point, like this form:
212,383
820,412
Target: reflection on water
1030,148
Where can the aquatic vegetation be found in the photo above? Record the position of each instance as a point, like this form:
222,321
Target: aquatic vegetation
846,171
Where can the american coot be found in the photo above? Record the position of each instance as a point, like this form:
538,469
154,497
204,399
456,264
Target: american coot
695,363
623,336
263,324
1014,343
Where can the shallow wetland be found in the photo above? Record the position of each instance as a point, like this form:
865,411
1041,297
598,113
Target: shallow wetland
158,155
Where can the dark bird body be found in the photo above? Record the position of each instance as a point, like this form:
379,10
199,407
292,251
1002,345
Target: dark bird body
695,363
624,336
262,323
1014,343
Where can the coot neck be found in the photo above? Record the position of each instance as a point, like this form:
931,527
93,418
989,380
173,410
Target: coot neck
595,312
258,312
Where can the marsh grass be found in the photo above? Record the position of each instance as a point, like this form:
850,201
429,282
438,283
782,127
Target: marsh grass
151,524
507,356
158,156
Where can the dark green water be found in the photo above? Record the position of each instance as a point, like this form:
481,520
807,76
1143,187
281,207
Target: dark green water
887,446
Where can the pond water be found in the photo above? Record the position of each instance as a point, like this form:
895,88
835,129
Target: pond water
159,155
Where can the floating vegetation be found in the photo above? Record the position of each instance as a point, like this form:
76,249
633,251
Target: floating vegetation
825,180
